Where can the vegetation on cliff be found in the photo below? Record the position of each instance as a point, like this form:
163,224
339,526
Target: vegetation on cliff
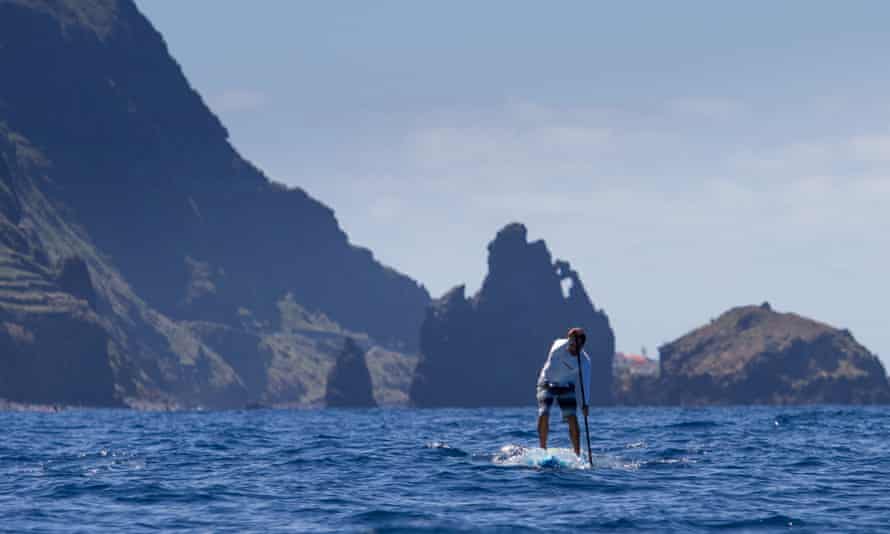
129,217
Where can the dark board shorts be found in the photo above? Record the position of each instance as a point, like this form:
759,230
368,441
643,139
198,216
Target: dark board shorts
565,397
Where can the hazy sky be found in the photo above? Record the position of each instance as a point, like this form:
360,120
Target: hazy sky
685,157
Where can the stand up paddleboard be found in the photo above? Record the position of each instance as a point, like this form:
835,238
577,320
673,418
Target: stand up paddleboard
516,455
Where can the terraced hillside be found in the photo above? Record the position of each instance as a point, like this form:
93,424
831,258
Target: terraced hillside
142,260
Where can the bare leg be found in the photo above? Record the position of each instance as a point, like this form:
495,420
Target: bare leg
574,433
543,429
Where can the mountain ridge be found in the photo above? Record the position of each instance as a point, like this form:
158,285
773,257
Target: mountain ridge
113,162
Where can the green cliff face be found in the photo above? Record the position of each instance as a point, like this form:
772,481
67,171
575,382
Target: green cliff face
75,331
122,197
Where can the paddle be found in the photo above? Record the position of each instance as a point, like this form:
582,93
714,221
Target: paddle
583,403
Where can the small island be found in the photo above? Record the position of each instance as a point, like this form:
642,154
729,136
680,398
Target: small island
755,355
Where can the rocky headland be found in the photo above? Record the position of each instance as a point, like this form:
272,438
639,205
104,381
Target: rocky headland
487,350
755,355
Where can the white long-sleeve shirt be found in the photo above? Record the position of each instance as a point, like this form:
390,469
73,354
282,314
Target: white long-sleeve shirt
561,368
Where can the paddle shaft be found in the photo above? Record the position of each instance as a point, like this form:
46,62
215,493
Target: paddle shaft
584,403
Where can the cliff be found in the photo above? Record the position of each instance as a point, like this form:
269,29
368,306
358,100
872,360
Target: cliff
75,331
488,350
139,248
149,172
754,355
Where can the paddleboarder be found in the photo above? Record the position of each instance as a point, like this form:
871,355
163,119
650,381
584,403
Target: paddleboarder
559,381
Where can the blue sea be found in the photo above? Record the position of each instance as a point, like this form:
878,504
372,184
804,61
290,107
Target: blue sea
807,469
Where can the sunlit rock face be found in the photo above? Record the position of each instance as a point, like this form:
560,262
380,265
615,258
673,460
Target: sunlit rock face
487,350
754,355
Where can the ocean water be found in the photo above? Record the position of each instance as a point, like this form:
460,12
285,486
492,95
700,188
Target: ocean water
808,469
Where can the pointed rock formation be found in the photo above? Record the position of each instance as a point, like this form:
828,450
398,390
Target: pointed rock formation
349,382
754,355
488,350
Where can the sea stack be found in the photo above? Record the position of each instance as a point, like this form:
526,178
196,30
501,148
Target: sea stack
487,350
349,382
754,355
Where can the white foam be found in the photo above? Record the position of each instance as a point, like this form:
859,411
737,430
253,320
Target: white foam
517,455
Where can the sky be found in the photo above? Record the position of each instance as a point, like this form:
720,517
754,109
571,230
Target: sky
686,157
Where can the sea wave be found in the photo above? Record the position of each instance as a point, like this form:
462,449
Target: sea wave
665,470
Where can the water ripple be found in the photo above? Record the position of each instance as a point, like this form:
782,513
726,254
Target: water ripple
655,469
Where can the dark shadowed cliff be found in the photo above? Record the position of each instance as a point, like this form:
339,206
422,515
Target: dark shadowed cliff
349,382
74,332
754,355
142,260
148,170
488,350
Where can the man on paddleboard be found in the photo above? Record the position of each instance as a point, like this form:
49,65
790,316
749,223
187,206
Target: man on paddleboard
558,381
